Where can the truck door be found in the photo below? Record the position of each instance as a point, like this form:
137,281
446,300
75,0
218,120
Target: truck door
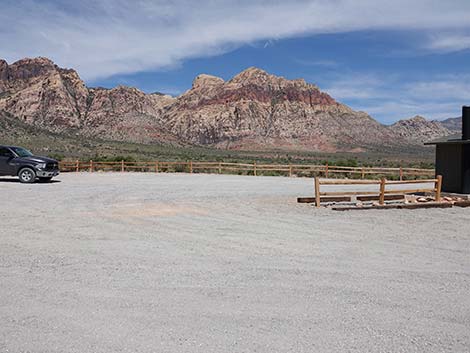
6,156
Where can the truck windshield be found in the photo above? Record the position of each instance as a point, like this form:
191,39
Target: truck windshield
21,152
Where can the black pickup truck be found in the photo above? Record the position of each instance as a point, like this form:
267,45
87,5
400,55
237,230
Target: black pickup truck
17,161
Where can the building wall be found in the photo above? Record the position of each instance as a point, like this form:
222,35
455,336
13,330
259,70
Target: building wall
466,169
449,165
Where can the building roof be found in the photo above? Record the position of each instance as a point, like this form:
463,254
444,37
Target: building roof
449,140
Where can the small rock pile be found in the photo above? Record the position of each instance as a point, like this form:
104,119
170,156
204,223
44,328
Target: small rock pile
420,199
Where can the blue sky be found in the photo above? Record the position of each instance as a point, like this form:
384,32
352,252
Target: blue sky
393,60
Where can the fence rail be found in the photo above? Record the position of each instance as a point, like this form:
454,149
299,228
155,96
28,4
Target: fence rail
248,168
381,193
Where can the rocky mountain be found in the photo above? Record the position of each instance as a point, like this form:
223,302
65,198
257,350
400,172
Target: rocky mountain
258,110
41,94
418,129
253,110
453,124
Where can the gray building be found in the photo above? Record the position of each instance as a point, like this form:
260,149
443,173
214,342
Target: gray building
453,158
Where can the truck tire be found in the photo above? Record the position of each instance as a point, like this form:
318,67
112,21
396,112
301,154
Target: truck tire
27,175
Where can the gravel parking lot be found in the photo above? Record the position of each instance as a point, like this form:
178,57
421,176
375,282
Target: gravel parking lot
110,262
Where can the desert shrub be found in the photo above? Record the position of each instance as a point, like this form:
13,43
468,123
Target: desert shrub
113,158
56,156
180,168
271,173
346,163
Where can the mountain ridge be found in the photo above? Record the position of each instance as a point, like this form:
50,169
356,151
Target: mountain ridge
252,110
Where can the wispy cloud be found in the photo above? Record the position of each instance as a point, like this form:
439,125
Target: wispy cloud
392,111
354,86
393,97
449,42
442,88
105,37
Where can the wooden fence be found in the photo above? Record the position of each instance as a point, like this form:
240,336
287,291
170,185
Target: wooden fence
380,194
246,168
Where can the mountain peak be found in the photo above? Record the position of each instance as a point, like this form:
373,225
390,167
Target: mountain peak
414,121
31,63
35,60
28,68
257,76
253,70
418,118
204,80
419,129
252,75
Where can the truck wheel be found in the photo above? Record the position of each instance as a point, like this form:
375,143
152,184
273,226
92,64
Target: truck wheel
27,175
45,180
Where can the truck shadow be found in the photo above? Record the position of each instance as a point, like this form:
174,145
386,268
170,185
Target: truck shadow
14,180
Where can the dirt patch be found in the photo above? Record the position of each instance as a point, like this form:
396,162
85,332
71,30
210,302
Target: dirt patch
155,210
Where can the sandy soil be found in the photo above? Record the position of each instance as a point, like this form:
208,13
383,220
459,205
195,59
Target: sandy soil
207,263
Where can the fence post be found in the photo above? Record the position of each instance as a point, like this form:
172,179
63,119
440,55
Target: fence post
77,165
438,188
401,173
156,166
363,173
290,170
382,191
317,191
122,166
326,170
191,167
220,168
91,166
254,168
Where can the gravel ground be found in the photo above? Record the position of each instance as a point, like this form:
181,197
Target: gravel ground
206,263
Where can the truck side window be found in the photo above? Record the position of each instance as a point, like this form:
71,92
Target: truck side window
5,152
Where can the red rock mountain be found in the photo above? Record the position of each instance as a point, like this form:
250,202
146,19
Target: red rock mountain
253,110
42,94
258,110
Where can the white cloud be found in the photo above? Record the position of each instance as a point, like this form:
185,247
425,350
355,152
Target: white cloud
441,89
449,42
356,86
391,111
393,97
105,37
